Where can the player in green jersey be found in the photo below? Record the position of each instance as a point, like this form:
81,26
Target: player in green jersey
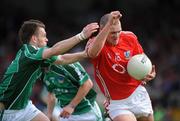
71,85
25,69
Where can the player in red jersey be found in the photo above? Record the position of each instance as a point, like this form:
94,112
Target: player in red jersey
110,51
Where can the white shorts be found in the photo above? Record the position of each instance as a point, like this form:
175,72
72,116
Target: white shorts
92,115
26,114
138,103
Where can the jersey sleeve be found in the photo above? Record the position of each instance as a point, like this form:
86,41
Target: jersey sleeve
37,54
51,60
137,46
34,54
81,74
84,79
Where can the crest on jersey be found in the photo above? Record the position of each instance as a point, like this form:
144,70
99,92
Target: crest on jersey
127,54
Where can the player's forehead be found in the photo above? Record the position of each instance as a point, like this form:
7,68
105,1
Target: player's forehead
116,27
41,31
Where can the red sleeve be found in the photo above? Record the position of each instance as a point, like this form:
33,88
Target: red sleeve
137,48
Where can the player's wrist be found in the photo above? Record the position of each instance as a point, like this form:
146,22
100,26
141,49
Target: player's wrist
72,105
81,36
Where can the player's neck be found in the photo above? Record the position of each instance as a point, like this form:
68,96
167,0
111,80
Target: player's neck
34,45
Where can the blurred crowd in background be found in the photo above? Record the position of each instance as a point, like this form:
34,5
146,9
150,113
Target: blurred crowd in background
155,22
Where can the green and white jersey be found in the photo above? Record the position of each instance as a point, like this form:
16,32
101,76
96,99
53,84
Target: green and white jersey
64,81
25,69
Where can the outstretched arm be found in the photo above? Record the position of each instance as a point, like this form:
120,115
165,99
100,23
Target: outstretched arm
71,58
65,45
94,48
82,92
51,100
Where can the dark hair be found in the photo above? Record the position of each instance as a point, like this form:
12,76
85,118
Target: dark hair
102,23
29,28
103,20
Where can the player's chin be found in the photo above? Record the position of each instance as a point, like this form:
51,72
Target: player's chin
44,44
115,42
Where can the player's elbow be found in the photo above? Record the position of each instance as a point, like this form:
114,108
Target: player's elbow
60,60
92,54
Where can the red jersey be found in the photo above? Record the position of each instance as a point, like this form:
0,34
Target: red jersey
110,67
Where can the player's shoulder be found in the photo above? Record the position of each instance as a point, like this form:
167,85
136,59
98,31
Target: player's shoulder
128,34
128,37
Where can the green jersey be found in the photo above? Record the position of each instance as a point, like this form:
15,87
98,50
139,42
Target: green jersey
25,69
64,81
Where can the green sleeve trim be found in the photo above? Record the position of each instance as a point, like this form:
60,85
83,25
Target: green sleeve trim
52,59
84,79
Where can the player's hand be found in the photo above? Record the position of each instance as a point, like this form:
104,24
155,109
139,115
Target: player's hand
106,104
114,17
116,14
150,76
89,29
67,111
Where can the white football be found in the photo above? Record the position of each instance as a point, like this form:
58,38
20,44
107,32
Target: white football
139,66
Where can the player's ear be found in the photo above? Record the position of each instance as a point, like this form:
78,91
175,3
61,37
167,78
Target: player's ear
34,38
